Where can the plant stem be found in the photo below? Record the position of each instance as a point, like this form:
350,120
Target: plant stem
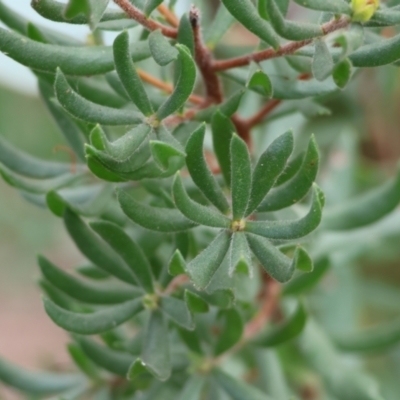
287,49
169,16
150,24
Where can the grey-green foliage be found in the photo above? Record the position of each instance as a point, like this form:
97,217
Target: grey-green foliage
205,245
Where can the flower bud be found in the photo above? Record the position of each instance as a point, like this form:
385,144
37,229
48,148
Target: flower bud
363,10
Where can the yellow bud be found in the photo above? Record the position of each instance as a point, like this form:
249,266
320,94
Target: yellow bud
363,10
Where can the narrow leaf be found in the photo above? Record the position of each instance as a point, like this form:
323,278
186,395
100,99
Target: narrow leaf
92,323
288,29
161,50
246,13
202,268
37,383
261,80
80,61
240,177
183,87
290,329
333,6
200,172
231,332
185,33
85,291
219,27
82,361
153,218
239,255
177,311
274,262
222,130
366,208
194,211
322,64
127,74
269,167
177,264
128,250
87,111
156,353
291,229
236,388
164,154
297,187
342,73
139,375
95,249
195,303
117,362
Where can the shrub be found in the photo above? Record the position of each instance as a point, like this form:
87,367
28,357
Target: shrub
205,264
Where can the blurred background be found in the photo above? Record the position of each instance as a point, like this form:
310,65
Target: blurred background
361,136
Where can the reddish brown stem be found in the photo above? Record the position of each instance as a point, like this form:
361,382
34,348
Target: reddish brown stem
71,154
204,60
150,24
264,111
169,16
287,49
176,283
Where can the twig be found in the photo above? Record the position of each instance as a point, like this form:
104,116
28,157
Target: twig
72,155
150,24
204,60
287,49
176,283
152,80
262,113
169,16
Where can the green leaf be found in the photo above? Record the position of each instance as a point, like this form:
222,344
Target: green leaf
193,388
92,9
372,339
202,268
185,33
177,264
150,6
231,331
12,19
183,87
195,303
269,167
222,298
286,331
343,380
81,61
306,282
239,255
200,173
298,186
220,25
54,11
100,171
342,73
164,154
128,250
240,177
366,208
139,375
291,229
191,340
246,13
261,80
236,388
177,311
376,54
68,127
37,383
82,361
161,50
156,353
24,164
153,218
128,75
95,249
322,64
194,211
85,291
288,29
333,6
117,362
38,185
274,262
92,323
291,169
85,110
222,131
76,7
92,272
